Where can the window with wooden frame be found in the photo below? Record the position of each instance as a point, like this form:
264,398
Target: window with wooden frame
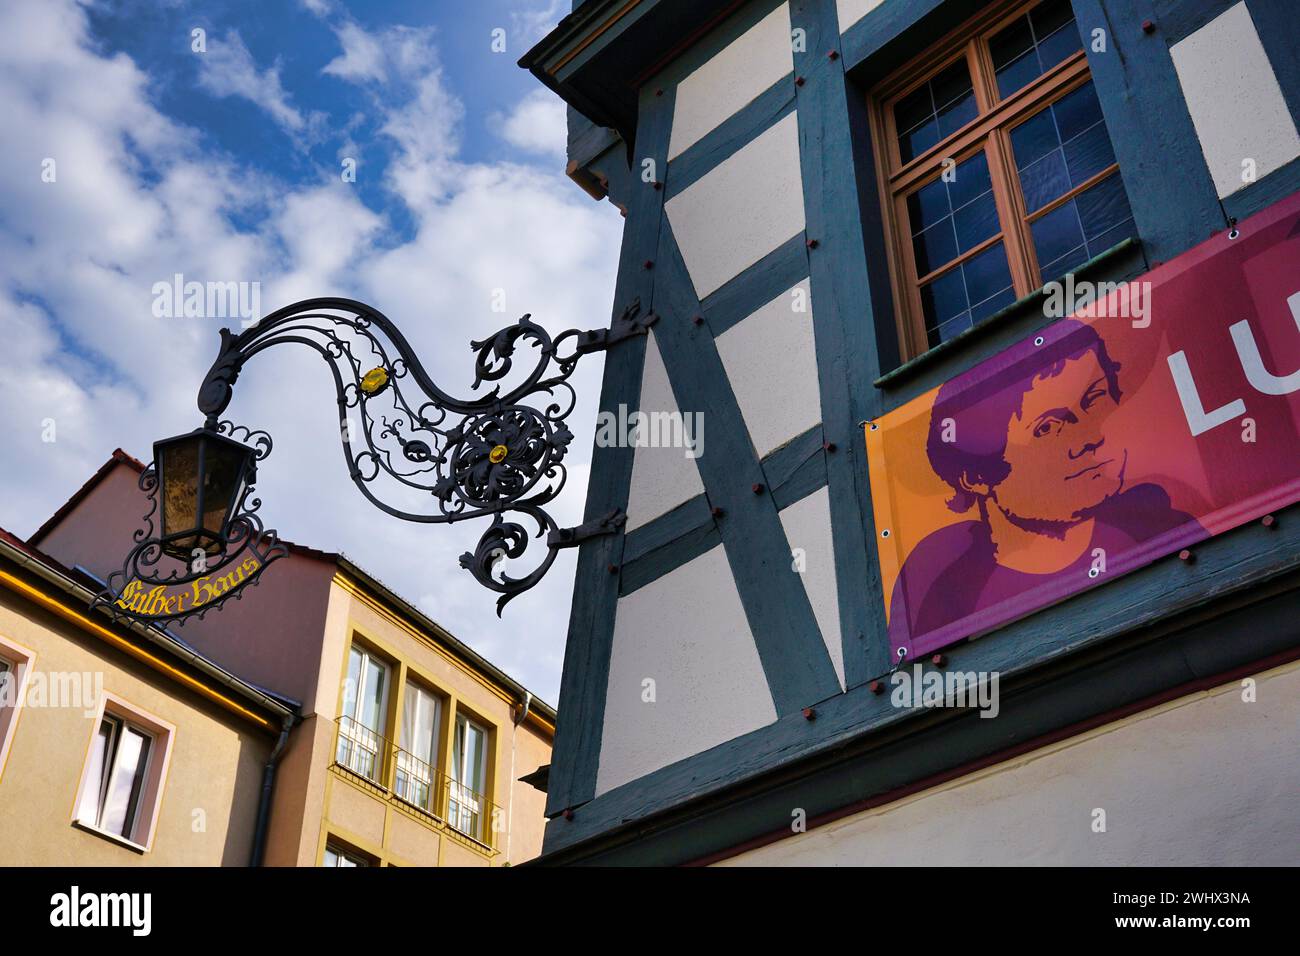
996,169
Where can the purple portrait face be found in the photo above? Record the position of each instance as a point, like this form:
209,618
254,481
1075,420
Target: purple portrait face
1061,464
1032,437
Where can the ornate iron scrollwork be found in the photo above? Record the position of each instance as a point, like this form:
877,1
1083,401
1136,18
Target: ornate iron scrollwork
496,454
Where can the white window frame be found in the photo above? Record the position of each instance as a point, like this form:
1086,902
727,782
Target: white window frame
361,748
415,773
343,859
19,661
465,806
143,825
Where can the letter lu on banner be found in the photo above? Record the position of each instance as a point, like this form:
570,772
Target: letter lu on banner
1134,436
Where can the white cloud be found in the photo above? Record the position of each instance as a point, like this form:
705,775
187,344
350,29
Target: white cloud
533,23
537,124
79,257
227,69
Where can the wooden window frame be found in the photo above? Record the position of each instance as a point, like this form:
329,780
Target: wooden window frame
990,131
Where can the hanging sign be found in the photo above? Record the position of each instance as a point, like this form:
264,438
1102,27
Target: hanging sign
1161,412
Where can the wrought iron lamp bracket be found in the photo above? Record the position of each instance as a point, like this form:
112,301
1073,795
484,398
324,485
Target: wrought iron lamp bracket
482,456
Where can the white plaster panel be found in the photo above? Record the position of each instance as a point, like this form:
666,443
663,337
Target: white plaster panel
1235,101
807,525
734,77
741,209
1206,779
771,361
851,11
688,633
662,477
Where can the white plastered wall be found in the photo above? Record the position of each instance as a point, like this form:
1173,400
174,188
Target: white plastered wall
851,11
1241,118
807,525
1205,779
662,477
742,209
686,633
732,78
771,362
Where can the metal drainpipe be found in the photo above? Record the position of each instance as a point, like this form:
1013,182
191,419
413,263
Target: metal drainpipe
510,813
268,788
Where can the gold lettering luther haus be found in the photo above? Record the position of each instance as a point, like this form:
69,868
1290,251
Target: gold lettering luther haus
159,601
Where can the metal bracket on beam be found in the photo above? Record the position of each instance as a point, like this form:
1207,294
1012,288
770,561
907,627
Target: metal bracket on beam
630,323
572,537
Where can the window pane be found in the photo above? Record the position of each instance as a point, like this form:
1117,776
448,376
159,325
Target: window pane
967,295
352,683
125,783
1086,156
1057,235
970,180
415,762
1077,111
372,703
987,274
943,299
934,247
1033,44
1085,227
935,110
1034,138
474,758
92,796
975,222
949,218
1045,180
1061,147
1103,207
950,329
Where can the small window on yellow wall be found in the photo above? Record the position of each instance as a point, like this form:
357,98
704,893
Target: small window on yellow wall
122,781
997,170
339,856
15,664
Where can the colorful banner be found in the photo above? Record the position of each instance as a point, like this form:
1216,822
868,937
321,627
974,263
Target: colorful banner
1161,412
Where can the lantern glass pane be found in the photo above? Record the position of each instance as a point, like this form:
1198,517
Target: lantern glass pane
222,484
180,491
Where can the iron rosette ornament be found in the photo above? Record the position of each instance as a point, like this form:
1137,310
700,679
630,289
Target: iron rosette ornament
422,454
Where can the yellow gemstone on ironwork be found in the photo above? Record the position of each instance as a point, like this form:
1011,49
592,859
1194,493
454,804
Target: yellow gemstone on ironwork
374,381
498,454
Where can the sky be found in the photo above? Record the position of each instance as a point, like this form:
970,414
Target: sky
148,138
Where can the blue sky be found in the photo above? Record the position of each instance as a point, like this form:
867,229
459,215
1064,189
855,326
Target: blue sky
224,164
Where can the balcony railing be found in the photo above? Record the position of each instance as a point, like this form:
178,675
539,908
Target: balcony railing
414,781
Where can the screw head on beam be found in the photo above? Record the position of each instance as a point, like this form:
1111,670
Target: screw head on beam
1268,521
1186,556
809,714
938,660
716,511
829,446
756,487
1148,27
